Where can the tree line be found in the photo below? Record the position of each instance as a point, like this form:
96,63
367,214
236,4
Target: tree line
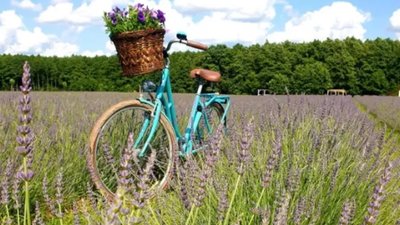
360,67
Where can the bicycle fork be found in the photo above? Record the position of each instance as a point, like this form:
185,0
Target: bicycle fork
151,120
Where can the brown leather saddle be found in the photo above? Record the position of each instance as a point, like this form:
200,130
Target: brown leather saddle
208,75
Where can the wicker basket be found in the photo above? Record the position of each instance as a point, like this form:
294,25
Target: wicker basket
140,52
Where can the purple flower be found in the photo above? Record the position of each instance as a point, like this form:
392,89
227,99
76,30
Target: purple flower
5,184
112,17
139,6
25,135
116,9
26,176
123,13
59,189
160,16
138,16
15,192
153,14
141,17
38,217
75,212
24,150
49,202
114,21
378,195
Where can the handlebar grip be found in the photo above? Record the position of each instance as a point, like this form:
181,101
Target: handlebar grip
197,45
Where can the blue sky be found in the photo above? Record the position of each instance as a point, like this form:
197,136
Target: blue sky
66,27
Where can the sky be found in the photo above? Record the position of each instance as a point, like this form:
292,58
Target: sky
75,27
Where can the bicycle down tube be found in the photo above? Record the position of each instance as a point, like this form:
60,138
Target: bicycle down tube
160,103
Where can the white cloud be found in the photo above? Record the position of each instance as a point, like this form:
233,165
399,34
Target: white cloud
220,21
89,12
56,13
10,20
395,22
110,47
26,4
76,29
395,19
207,21
27,41
61,49
288,8
338,20
15,38
218,28
59,1
233,9
92,53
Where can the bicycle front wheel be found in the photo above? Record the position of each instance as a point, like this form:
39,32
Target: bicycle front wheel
109,140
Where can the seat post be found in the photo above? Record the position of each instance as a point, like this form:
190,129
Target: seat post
200,87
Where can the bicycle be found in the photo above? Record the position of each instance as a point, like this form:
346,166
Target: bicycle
154,124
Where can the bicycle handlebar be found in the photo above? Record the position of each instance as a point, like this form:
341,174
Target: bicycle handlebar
193,44
197,45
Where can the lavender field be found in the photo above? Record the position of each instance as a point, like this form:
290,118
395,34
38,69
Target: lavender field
284,160
384,108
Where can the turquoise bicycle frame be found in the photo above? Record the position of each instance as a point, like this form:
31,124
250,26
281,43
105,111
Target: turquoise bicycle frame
164,104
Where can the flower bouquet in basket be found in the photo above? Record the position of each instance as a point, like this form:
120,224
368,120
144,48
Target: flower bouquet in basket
138,34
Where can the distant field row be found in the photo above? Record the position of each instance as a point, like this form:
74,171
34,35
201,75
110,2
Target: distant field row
385,109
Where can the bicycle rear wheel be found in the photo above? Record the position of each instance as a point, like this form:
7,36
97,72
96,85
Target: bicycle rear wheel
209,123
109,138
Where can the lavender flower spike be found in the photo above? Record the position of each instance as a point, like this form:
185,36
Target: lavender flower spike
347,213
124,179
5,185
26,79
184,195
49,202
25,136
272,160
378,196
222,200
75,212
15,192
38,217
59,189
245,144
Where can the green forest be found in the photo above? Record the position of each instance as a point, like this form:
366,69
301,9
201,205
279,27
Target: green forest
370,67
